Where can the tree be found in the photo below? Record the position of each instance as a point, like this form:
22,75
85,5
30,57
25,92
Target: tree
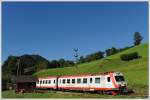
92,57
111,51
27,66
98,55
69,63
62,62
108,52
54,64
81,59
137,38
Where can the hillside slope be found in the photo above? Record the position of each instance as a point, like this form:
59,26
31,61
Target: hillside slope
135,71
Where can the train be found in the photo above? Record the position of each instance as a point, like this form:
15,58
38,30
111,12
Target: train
108,82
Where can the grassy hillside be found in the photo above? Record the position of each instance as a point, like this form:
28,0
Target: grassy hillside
135,71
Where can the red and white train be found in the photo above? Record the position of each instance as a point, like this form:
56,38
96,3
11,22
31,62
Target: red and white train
109,82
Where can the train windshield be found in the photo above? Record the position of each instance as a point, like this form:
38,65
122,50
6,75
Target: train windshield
119,78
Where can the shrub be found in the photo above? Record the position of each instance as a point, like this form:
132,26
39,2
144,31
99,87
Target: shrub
124,57
131,56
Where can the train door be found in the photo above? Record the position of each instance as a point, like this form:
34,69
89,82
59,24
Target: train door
95,83
40,83
91,84
57,83
102,81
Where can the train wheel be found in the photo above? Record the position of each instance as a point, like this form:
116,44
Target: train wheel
100,92
113,93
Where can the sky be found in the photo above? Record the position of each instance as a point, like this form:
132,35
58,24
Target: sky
54,29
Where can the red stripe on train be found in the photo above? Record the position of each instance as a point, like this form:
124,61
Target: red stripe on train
74,88
113,81
46,86
94,88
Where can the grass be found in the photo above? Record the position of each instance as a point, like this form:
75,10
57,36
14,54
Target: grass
135,72
60,94
109,63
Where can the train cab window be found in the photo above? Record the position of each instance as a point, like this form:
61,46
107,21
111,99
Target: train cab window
97,80
108,79
49,81
73,81
68,80
78,81
119,78
84,80
54,81
90,80
64,81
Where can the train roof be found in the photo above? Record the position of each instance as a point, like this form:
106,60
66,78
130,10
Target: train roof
82,75
79,75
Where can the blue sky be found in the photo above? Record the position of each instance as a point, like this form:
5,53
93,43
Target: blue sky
53,30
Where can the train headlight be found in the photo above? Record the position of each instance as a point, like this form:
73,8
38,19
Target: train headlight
123,84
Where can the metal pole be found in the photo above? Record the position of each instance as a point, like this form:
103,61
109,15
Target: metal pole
18,66
76,57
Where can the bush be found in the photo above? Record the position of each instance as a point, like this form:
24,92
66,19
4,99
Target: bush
124,57
131,56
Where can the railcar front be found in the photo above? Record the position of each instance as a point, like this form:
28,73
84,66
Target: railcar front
120,81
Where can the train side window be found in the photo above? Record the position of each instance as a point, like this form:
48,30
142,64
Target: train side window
90,80
84,80
64,81
73,81
68,80
54,81
60,81
49,82
46,82
78,80
43,81
40,82
108,79
97,80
